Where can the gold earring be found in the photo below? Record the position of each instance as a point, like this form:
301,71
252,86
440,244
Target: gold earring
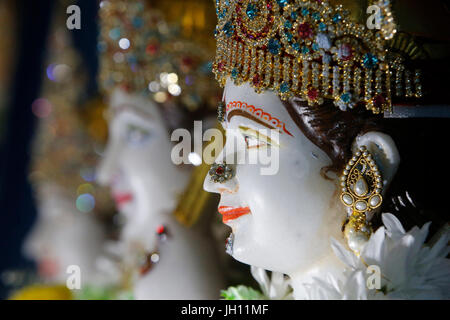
362,186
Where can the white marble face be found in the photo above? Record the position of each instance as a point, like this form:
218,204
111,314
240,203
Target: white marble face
137,166
287,220
283,222
145,183
63,236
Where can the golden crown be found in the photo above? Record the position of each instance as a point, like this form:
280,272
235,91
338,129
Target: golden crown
312,49
142,53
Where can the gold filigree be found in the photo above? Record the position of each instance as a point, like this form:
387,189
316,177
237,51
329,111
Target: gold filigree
361,183
289,35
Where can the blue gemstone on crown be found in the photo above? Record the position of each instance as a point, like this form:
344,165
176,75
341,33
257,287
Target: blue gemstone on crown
294,15
228,29
140,6
346,97
370,61
114,33
273,46
315,47
282,3
305,11
289,36
305,50
251,11
316,16
288,25
234,73
207,67
296,46
284,87
337,17
137,22
132,59
322,26
101,46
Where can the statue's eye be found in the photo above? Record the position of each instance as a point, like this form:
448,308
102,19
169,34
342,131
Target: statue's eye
136,135
255,139
253,142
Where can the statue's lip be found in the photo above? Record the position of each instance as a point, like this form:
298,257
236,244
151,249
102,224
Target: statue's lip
48,267
232,213
122,198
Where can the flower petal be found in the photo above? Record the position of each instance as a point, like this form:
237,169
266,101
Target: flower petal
393,226
347,257
374,250
262,278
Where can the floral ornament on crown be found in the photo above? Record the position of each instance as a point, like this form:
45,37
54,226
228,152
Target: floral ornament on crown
142,53
309,49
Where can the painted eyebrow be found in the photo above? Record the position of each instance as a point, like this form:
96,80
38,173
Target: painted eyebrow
244,114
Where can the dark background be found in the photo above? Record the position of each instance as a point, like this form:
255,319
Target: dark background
17,206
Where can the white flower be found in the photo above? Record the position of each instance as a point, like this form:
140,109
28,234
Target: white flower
276,288
409,269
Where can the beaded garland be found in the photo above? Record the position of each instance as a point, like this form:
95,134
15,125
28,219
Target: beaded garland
313,50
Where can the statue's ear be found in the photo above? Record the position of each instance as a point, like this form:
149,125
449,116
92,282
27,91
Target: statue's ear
384,152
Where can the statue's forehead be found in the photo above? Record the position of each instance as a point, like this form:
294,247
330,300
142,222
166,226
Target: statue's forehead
264,108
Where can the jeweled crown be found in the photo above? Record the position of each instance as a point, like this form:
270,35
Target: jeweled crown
141,52
311,49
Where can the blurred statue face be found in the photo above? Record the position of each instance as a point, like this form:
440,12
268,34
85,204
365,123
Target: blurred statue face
281,222
137,165
63,236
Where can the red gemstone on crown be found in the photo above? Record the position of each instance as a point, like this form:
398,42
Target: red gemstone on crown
187,61
305,31
221,66
379,101
256,80
345,52
313,94
152,49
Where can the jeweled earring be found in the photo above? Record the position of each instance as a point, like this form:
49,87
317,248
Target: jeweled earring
221,172
149,260
361,192
221,111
